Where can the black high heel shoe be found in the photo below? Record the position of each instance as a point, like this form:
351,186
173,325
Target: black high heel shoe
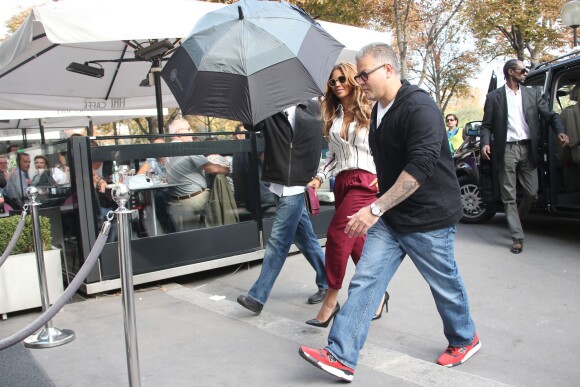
386,305
323,324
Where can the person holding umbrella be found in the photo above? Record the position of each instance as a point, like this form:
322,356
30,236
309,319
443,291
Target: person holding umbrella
291,156
346,113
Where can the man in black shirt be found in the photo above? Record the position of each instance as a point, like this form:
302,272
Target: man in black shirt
415,215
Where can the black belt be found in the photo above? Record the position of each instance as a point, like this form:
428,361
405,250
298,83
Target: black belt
187,196
520,142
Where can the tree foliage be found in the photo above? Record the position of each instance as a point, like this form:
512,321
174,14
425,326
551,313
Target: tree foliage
351,12
450,66
526,29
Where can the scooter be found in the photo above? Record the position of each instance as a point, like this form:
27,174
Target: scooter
467,159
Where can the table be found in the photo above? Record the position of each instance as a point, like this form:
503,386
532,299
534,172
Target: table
149,191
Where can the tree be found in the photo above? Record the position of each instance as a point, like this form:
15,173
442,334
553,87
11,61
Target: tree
526,29
399,16
450,66
417,25
437,18
351,12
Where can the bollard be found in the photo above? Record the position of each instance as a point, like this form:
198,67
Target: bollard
120,195
49,336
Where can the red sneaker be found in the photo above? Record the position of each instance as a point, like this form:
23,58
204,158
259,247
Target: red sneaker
454,356
324,360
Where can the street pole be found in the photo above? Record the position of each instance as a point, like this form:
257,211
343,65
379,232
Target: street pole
570,14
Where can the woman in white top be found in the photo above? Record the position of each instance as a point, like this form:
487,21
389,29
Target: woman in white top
346,114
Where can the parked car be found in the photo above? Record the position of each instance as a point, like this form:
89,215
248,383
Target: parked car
558,168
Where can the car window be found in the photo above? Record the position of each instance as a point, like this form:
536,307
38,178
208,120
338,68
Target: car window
565,94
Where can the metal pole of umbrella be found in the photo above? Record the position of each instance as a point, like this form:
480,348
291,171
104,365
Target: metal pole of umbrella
121,195
24,138
49,336
41,128
156,70
90,128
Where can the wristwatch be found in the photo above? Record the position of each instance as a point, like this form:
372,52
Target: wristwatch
376,210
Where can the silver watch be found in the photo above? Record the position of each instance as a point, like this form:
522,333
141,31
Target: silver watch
376,210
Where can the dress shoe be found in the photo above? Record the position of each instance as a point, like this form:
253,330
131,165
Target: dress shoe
323,324
250,304
385,304
517,246
317,297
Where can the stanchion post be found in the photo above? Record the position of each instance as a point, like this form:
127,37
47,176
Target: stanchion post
120,195
49,336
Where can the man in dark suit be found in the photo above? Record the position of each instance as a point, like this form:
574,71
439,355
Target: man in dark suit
512,115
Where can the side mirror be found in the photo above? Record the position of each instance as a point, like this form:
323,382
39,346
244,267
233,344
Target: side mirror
472,128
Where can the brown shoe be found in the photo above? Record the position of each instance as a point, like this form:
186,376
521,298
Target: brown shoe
517,246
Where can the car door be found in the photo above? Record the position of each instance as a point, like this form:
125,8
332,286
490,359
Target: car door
562,164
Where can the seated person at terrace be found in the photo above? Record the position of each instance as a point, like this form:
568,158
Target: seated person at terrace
180,126
189,172
18,181
45,176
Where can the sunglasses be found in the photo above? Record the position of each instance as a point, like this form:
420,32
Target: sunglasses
522,71
450,119
363,76
334,81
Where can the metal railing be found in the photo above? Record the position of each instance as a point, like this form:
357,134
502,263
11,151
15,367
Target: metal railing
49,336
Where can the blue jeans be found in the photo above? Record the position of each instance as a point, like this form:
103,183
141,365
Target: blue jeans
291,223
433,254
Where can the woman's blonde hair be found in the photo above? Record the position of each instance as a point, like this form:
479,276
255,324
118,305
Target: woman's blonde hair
329,103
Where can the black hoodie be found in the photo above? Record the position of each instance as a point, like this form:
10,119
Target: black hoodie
411,137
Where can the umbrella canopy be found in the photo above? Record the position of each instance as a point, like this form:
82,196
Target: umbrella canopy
34,59
249,60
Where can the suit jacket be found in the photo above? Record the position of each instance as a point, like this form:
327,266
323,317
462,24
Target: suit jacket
495,120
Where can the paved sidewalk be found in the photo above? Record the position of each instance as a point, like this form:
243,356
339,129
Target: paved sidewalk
185,338
525,307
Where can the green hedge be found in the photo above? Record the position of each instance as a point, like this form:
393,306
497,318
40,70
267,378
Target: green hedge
25,243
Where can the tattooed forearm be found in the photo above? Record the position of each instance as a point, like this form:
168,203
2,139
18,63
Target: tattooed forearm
410,185
404,187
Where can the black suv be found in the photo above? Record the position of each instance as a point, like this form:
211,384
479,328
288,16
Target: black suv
558,168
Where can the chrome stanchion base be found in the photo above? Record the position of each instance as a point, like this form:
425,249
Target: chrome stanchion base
53,337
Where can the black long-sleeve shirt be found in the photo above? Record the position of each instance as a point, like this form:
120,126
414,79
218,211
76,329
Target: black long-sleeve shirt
411,137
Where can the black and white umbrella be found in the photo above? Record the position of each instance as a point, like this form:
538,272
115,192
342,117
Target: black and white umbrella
249,60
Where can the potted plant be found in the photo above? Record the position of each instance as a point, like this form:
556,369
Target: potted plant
19,283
